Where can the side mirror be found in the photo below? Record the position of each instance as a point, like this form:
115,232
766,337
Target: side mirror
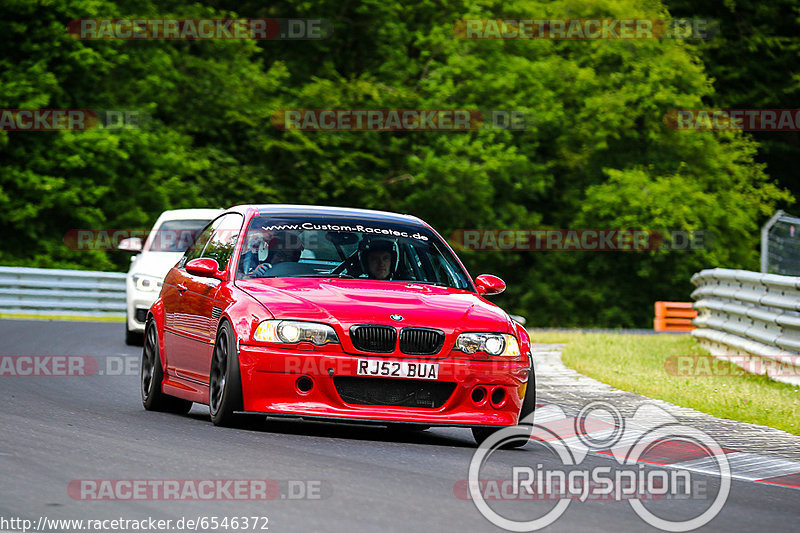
521,320
131,244
204,267
488,285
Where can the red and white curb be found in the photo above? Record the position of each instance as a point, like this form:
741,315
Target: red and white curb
552,423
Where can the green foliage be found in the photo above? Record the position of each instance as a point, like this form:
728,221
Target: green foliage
753,63
596,154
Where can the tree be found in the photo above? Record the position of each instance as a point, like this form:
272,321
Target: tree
752,61
595,152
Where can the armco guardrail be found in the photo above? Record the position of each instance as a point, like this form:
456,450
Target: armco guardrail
751,319
41,291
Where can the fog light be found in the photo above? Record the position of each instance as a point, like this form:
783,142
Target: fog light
304,384
478,395
498,397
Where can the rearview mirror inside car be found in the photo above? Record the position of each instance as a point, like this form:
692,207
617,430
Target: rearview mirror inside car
341,237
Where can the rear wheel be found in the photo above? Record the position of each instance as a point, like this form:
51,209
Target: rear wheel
480,434
225,382
152,376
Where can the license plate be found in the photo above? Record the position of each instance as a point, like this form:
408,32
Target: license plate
398,369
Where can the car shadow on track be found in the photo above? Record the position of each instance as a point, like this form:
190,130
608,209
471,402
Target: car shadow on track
345,431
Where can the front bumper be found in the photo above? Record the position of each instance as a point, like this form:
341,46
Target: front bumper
138,303
270,385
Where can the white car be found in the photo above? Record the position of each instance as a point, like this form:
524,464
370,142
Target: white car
172,233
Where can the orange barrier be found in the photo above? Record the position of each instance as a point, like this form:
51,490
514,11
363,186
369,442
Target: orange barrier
674,316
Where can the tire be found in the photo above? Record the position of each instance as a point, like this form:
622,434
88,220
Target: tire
133,338
480,434
151,377
225,381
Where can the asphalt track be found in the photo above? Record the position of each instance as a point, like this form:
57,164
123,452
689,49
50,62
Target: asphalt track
55,430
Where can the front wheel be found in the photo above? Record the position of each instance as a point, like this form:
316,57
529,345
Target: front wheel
480,434
132,338
152,376
225,382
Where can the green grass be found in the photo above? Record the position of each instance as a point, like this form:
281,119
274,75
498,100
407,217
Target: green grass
639,364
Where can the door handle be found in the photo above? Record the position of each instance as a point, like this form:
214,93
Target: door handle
182,288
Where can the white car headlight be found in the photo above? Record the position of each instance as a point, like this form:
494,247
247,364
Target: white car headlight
490,343
291,332
146,283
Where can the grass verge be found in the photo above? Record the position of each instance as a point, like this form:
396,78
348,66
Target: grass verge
645,364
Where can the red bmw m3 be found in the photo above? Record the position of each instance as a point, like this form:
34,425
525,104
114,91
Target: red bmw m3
335,314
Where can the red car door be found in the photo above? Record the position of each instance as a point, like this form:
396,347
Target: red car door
200,306
177,329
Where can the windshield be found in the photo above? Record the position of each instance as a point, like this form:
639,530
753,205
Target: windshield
347,248
175,235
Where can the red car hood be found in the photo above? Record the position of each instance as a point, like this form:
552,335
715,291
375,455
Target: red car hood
350,301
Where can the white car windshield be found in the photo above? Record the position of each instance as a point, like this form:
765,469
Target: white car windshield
175,235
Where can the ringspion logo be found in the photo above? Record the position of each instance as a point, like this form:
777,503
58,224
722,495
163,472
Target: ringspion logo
599,428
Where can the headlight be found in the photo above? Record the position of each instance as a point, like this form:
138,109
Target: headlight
490,343
291,332
146,283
